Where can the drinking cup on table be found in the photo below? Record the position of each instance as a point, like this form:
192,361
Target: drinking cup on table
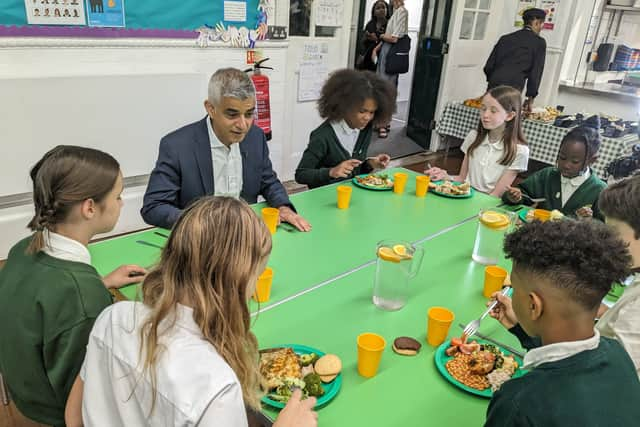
344,196
370,348
270,217
399,182
494,278
438,323
263,287
422,185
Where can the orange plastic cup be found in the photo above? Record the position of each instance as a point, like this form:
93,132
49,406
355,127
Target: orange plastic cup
270,217
422,185
344,196
370,347
399,182
438,322
494,278
263,287
541,214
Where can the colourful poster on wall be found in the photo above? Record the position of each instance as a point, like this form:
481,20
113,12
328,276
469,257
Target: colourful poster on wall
551,8
105,13
54,12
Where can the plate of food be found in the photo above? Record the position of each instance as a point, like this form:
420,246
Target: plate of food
286,367
453,189
379,182
477,367
526,215
545,115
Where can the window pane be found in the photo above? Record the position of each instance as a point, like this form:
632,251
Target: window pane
485,4
299,17
467,25
470,4
481,26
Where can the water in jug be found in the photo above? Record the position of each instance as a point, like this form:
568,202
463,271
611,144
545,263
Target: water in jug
397,263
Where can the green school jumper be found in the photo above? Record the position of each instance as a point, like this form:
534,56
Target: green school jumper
596,387
546,183
47,309
325,152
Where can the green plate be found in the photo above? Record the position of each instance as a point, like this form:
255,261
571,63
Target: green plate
441,359
523,215
453,196
368,187
330,389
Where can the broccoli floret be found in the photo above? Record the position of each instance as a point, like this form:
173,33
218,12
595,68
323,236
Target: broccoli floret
308,359
313,385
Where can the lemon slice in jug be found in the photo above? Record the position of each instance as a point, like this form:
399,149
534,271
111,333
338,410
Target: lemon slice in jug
402,251
495,220
388,254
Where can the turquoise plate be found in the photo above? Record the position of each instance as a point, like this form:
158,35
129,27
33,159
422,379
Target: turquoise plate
330,389
368,187
452,196
441,359
523,215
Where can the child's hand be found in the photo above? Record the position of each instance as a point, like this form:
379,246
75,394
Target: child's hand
503,312
344,169
124,275
298,412
585,212
514,195
436,174
380,161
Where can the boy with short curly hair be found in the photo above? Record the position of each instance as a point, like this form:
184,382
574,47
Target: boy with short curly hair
561,271
620,204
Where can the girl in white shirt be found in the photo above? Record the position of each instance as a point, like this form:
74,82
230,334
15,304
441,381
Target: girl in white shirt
186,356
496,152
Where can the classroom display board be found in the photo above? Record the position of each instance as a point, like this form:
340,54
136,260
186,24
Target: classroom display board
163,18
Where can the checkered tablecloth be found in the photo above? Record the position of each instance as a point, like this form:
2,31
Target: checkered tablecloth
458,120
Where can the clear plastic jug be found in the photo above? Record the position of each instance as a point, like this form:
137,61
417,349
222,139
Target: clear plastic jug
493,224
397,263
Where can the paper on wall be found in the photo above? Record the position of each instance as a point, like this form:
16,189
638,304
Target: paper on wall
235,11
313,71
55,12
328,13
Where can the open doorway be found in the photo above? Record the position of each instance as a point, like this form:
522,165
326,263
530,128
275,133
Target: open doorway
397,144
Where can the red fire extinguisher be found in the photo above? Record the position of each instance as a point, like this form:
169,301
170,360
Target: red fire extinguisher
263,105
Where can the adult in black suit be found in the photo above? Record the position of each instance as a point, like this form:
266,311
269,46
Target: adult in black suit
519,56
189,156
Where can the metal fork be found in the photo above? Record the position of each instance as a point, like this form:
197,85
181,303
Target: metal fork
473,326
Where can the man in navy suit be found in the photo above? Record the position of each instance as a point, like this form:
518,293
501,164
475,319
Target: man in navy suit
223,154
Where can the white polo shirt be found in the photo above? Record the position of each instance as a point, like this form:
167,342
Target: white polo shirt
195,386
484,164
347,136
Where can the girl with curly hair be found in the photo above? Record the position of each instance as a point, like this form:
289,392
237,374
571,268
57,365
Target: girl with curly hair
350,102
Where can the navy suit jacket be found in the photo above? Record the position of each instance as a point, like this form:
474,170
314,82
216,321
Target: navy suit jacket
184,172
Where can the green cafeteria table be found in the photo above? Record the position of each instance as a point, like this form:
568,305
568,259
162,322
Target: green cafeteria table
321,296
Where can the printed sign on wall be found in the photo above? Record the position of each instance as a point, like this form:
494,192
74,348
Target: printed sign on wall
55,12
105,13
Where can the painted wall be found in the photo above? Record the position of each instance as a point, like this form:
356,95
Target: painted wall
122,96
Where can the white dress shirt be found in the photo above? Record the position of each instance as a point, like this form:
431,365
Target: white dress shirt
484,164
559,351
346,135
61,247
398,25
194,384
227,166
569,186
622,321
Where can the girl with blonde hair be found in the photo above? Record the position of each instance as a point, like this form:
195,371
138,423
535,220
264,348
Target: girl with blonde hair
186,355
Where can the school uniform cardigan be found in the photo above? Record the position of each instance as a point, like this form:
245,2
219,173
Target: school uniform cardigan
47,309
546,183
325,152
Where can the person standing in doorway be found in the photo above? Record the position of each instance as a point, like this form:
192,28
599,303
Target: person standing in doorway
519,57
374,29
397,27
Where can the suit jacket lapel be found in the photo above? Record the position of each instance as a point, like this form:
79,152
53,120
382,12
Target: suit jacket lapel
203,156
556,191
